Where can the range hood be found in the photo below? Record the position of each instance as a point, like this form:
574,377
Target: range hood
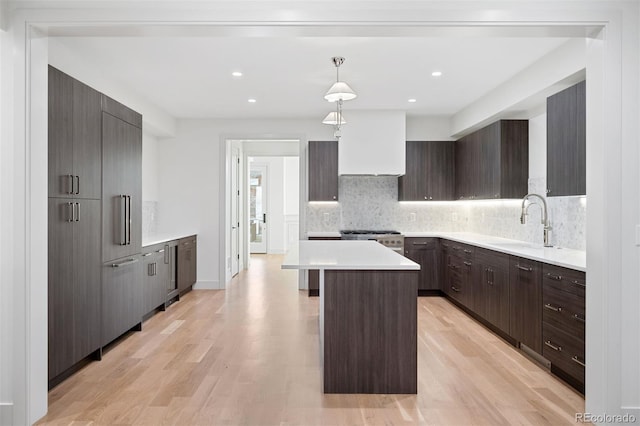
373,143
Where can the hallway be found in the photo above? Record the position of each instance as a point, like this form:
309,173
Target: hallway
250,355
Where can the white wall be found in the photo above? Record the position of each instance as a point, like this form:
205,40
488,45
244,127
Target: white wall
429,129
291,185
538,147
192,194
150,168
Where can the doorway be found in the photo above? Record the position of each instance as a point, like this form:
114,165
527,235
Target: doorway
258,202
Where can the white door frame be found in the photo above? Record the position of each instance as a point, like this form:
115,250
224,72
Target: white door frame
263,246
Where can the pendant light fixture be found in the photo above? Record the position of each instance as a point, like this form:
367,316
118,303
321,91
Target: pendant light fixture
338,92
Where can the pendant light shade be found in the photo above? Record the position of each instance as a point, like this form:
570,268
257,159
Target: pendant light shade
334,118
340,91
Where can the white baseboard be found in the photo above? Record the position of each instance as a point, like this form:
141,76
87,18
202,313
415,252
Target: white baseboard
207,285
6,413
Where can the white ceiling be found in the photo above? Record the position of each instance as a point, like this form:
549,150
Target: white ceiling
288,76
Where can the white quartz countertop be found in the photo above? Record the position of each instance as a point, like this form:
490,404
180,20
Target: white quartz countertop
344,254
151,240
567,258
324,234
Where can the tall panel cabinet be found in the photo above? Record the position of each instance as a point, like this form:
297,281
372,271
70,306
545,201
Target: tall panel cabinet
74,214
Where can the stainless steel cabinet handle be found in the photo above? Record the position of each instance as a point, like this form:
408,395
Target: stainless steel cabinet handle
129,220
420,244
78,185
147,254
160,251
578,283
125,263
456,289
552,346
467,263
576,359
579,318
71,212
166,254
467,251
554,277
150,269
78,216
453,266
553,308
123,220
524,268
70,191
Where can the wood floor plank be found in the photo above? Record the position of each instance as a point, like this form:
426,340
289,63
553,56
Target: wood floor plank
250,355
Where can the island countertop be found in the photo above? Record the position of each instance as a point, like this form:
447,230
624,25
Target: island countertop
345,254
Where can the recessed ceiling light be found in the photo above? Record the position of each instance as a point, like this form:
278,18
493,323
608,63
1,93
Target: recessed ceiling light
236,74
412,100
436,73
251,101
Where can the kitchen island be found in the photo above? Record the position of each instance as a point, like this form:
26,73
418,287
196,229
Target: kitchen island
367,315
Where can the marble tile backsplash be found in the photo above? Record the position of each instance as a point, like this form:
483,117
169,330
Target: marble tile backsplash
149,218
370,202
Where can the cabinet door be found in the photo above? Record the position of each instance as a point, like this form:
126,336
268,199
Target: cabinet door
86,277
60,134
566,143
156,275
323,171
490,161
186,263
467,166
87,141
440,169
60,286
424,251
525,302
413,185
122,182
491,293
121,297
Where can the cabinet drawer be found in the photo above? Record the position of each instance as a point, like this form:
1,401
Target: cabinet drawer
564,351
420,243
564,279
462,250
492,259
563,310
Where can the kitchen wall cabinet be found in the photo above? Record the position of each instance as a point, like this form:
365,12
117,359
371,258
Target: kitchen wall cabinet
323,170
429,171
563,326
121,185
491,288
156,269
493,162
566,142
74,134
187,263
121,297
525,302
424,251
73,282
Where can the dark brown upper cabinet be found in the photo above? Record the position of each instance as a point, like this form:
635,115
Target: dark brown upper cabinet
323,171
493,162
566,142
429,172
74,133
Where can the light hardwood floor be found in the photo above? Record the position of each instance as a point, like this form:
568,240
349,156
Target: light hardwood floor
250,356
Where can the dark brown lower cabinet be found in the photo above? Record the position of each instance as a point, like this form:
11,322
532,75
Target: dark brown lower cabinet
424,251
73,282
458,283
156,268
525,302
491,290
563,326
121,297
314,275
187,263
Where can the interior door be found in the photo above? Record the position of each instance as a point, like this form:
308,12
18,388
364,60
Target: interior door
258,208
235,213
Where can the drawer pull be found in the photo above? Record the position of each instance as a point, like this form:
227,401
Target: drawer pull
454,267
578,317
455,248
552,346
524,268
160,251
553,308
147,254
577,360
420,244
467,263
125,263
578,283
554,277
456,289
467,251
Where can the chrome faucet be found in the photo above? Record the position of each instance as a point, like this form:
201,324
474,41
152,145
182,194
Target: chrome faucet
545,216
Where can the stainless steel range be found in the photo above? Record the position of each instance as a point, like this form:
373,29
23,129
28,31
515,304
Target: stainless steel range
391,239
